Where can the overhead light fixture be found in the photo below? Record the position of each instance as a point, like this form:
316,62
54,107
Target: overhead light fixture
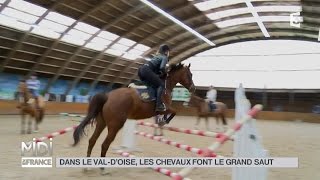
178,22
257,18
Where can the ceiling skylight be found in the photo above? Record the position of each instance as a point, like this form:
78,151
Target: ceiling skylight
126,42
135,52
227,13
130,56
98,40
25,7
45,32
73,40
95,46
234,22
248,20
21,16
53,26
17,15
86,28
114,52
8,21
120,47
60,18
211,4
108,35
79,34
141,47
278,8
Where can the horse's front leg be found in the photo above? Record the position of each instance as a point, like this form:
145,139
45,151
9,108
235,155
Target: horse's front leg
23,122
172,113
36,127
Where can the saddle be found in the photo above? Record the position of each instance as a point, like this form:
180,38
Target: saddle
212,106
145,92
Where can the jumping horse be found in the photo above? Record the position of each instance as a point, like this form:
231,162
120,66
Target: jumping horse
113,109
27,106
204,111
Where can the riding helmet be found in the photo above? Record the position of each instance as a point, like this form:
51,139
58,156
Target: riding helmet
163,48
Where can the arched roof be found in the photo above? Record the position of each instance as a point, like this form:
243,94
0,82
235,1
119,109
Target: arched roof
137,30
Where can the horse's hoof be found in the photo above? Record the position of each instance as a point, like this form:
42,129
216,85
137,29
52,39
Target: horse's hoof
86,169
104,171
160,124
22,132
28,132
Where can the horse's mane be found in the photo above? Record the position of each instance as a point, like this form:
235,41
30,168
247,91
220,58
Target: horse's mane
197,97
176,67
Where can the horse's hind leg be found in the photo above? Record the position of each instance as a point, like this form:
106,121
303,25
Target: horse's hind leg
29,125
93,139
23,122
114,126
197,123
224,121
100,126
207,123
37,116
217,122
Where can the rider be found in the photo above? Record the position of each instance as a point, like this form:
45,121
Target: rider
153,70
212,96
34,85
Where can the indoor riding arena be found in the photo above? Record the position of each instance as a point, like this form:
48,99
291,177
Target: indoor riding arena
212,80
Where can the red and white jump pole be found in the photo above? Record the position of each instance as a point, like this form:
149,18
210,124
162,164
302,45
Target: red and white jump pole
183,130
220,141
164,171
54,134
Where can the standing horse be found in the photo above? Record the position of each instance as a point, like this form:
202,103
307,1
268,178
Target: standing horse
203,110
113,109
27,106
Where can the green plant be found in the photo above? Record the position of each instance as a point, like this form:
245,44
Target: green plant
83,91
42,92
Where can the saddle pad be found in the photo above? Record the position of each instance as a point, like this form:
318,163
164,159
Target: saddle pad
146,93
212,106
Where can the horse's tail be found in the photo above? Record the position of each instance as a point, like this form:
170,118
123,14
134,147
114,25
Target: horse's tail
95,107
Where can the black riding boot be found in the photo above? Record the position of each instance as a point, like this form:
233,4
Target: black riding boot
160,106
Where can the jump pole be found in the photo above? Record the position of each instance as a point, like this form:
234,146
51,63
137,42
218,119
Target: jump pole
54,134
164,171
183,130
220,141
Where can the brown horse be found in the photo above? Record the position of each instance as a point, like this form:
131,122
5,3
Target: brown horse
203,110
113,109
27,106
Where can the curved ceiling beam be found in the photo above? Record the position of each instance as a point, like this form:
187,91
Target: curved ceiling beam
56,42
298,34
100,54
230,7
127,33
26,34
298,38
162,30
190,41
80,48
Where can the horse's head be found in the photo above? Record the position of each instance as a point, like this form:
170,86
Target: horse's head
182,75
22,87
194,100
23,91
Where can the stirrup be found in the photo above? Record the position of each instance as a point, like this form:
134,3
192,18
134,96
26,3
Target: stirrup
161,109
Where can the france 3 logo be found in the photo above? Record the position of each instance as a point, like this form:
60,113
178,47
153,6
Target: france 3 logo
36,154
